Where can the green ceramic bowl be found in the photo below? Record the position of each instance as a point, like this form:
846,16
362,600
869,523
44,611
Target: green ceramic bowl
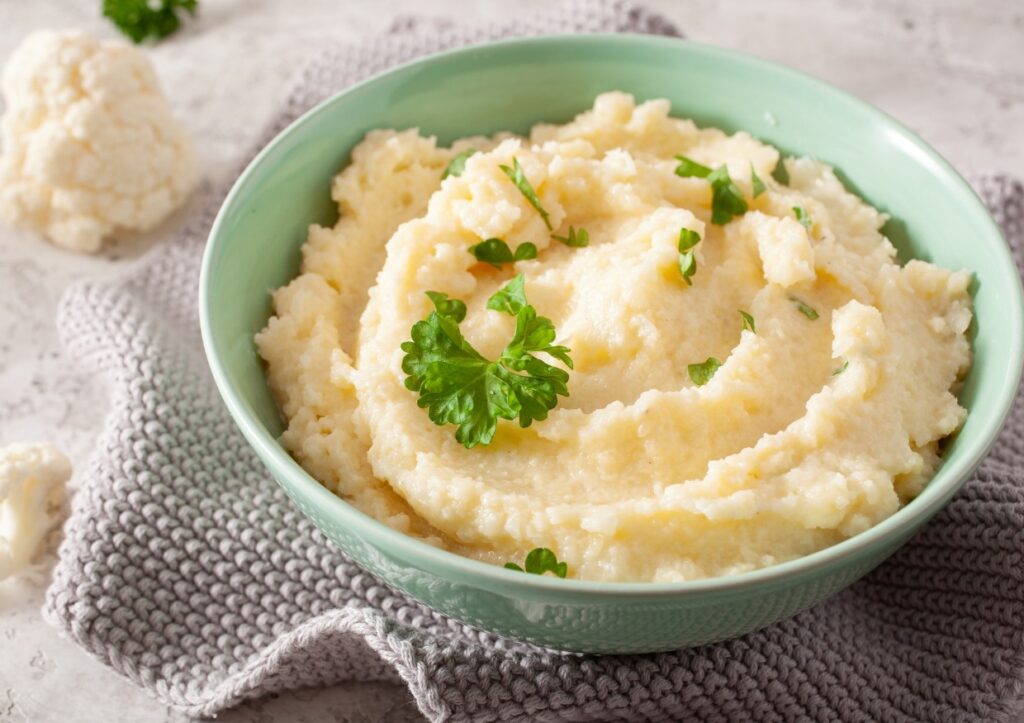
254,248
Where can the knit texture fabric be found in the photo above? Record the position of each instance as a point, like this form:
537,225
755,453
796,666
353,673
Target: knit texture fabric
185,568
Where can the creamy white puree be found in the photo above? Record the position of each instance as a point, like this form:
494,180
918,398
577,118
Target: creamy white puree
639,474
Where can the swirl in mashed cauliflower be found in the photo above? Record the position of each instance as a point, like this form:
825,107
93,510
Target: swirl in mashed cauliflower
811,431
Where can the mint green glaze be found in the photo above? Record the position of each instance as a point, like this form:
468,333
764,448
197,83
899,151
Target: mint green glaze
254,247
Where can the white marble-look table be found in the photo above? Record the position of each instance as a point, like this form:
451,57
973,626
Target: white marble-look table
953,70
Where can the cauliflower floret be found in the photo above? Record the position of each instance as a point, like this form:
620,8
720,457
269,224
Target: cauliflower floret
89,143
32,478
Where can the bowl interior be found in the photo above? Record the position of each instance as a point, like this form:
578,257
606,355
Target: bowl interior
254,246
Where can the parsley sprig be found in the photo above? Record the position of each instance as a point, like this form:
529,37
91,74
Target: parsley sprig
141,19
540,560
459,386
726,197
496,252
516,175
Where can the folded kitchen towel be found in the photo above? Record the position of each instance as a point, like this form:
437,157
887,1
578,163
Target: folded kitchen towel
187,570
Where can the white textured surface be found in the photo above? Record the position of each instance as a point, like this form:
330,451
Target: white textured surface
951,70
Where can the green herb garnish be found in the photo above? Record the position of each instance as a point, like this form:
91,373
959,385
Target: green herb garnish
510,298
803,217
756,184
748,321
576,239
141,19
459,386
452,308
688,239
457,164
841,369
516,175
688,168
540,560
701,373
726,197
804,308
496,252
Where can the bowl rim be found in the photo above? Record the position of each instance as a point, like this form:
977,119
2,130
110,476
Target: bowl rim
944,484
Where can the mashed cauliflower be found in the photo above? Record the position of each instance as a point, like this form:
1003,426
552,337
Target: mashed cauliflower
820,422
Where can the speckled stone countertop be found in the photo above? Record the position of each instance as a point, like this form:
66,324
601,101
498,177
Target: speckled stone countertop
952,70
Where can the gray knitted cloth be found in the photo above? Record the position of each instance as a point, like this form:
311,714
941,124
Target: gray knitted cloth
187,570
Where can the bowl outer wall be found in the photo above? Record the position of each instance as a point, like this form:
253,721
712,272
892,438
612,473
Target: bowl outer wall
254,248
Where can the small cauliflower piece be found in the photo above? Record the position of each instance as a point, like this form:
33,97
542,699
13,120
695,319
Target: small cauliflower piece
32,478
90,146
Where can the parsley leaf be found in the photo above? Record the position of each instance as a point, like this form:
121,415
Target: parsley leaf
517,177
540,560
141,19
701,373
496,252
688,239
726,197
803,217
459,386
842,368
748,321
804,308
576,239
510,298
457,164
535,334
451,308
756,184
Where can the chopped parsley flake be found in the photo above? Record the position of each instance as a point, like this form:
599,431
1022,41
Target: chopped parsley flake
701,373
748,321
576,239
496,252
804,308
539,561
726,197
516,175
757,185
688,239
688,168
457,164
803,217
